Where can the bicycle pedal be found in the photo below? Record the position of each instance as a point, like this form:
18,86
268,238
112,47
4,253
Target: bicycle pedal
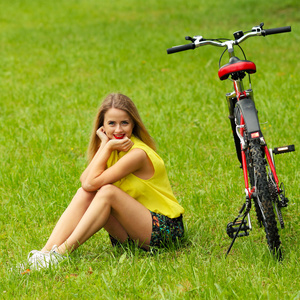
284,149
232,228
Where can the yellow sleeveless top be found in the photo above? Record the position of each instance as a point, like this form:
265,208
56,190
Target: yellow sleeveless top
154,193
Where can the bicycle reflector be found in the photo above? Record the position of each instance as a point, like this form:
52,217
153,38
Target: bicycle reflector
255,135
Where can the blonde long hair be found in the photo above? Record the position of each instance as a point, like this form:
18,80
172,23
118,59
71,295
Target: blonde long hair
119,101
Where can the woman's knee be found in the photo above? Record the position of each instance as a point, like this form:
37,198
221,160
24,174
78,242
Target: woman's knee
107,191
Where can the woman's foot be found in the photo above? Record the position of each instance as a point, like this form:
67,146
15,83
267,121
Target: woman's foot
38,260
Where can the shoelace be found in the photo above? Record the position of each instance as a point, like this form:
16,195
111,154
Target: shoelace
34,255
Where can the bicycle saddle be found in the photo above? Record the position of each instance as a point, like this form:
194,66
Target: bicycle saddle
236,65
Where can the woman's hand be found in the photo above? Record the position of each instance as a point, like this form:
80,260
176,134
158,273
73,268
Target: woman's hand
121,145
102,135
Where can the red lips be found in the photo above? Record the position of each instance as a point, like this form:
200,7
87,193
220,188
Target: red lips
119,137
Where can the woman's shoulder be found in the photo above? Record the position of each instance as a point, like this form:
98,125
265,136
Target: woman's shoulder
138,144
138,153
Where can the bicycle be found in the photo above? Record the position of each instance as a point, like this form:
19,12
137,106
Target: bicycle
257,161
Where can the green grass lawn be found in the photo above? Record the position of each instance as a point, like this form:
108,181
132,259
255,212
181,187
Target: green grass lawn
58,60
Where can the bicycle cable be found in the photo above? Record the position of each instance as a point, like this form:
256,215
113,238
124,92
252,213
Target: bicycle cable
249,77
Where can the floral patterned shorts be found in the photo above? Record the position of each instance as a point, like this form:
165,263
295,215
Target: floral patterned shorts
165,231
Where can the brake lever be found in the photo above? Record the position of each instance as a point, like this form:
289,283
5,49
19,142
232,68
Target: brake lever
189,38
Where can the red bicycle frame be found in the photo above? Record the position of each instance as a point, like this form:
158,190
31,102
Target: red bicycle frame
240,95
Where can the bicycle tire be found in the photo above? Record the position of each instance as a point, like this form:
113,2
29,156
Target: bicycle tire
275,200
252,183
264,200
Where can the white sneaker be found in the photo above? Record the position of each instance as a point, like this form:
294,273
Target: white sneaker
38,260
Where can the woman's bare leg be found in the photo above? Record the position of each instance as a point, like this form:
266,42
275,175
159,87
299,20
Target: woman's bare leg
70,218
115,229
110,200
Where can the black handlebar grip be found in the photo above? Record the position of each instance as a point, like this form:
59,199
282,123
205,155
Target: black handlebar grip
277,30
181,48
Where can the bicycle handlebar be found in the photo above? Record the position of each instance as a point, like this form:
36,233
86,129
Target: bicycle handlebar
198,41
175,49
276,30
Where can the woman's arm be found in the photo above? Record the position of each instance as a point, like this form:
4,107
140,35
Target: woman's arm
104,140
98,176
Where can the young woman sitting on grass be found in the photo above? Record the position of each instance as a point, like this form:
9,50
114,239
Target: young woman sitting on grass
125,190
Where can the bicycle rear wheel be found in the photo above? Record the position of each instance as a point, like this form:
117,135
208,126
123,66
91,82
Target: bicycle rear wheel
252,183
263,199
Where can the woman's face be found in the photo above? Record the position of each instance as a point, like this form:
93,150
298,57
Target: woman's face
117,124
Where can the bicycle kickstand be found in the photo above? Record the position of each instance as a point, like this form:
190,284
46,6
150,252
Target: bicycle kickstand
233,228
